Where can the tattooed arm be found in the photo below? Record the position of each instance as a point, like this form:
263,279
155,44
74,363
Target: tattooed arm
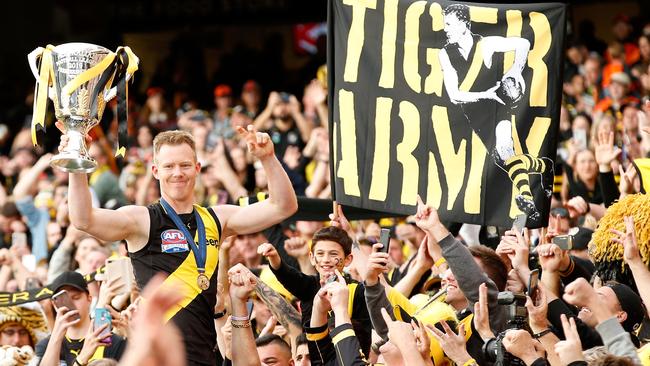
286,314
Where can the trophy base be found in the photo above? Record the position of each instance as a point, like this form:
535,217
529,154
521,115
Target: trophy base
73,163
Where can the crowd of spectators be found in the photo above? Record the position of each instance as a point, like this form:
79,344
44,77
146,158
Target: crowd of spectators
312,292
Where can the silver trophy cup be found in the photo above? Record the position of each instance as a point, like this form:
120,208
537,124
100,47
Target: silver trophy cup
79,108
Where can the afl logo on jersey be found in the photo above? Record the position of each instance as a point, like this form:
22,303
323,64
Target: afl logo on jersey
173,241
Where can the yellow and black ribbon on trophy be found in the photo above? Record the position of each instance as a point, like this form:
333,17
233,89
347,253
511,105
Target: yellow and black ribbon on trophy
38,294
127,65
45,78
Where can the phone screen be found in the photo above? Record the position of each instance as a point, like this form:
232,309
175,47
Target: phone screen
581,138
532,284
32,283
520,223
61,299
249,308
18,239
384,239
102,316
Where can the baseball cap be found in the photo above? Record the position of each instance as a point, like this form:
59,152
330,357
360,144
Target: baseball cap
70,278
620,77
251,85
630,303
222,90
154,90
621,18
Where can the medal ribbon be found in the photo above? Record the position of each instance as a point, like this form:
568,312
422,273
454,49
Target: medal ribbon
200,251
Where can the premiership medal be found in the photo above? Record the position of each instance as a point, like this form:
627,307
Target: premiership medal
203,281
200,251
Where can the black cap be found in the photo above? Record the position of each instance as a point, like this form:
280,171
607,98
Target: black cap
631,303
582,238
72,279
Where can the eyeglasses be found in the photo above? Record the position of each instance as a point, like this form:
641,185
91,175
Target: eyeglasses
12,332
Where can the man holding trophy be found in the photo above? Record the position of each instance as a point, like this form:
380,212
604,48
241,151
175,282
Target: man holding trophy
174,235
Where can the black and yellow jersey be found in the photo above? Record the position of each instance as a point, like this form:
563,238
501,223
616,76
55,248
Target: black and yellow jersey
168,251
484,114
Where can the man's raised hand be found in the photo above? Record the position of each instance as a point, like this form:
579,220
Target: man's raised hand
259,143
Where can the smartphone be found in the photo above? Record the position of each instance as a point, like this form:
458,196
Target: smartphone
18,239
581,138
120,270
520,223
384,239
249,308
533,281
61,299
565,242
102,316
285,97
32,283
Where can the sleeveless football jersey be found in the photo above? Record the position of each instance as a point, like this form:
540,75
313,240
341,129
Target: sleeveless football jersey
169,252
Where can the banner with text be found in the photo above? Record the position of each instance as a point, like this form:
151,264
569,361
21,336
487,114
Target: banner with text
457,102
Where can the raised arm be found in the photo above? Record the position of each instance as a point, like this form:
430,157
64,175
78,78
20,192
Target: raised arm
303,124
467,272
28,180
286,314
632,257
262,121
281,203
242,282
128,222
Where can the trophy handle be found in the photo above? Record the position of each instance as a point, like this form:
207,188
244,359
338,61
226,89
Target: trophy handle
112,92
32,58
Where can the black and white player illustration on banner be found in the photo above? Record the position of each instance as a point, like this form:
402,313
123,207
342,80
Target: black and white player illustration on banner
487,102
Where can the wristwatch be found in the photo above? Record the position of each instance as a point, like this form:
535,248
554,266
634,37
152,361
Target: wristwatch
220,314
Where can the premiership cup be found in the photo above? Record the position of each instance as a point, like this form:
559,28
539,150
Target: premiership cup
77,77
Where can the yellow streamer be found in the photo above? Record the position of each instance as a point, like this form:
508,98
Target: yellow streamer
89,74
131,68
45,77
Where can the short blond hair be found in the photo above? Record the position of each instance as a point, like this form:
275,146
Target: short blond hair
174,138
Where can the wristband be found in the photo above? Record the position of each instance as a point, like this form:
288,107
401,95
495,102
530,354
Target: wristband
220,314
240,323
76,362
470,362
239,318
542,333
440,262
567,271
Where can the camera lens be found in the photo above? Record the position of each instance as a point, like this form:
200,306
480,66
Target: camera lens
491,349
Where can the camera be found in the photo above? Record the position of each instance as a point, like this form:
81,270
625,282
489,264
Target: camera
285,97
517,318
517,315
